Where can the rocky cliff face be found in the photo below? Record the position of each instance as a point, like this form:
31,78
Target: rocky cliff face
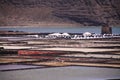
55,12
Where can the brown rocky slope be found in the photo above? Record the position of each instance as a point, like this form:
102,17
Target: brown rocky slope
59,12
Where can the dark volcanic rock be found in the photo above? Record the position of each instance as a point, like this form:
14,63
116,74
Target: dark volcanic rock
40,12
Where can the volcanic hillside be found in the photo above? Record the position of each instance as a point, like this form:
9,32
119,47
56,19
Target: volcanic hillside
59,12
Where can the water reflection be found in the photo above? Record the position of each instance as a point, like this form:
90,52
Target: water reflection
63,73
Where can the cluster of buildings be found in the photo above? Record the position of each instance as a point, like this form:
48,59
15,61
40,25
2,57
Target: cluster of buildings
85,35
106,32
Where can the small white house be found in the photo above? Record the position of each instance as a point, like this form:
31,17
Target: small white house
65,34
55,34
87,34
36,36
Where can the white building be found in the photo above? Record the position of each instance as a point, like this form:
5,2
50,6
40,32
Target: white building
36,36
65,35
55,34
59,35
87,34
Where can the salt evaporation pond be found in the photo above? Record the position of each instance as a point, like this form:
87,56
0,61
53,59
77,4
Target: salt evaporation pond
62,73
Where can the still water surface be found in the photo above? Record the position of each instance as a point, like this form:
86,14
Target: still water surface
92,29
62,73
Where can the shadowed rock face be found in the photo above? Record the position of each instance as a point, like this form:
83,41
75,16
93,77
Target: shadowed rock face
55,12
